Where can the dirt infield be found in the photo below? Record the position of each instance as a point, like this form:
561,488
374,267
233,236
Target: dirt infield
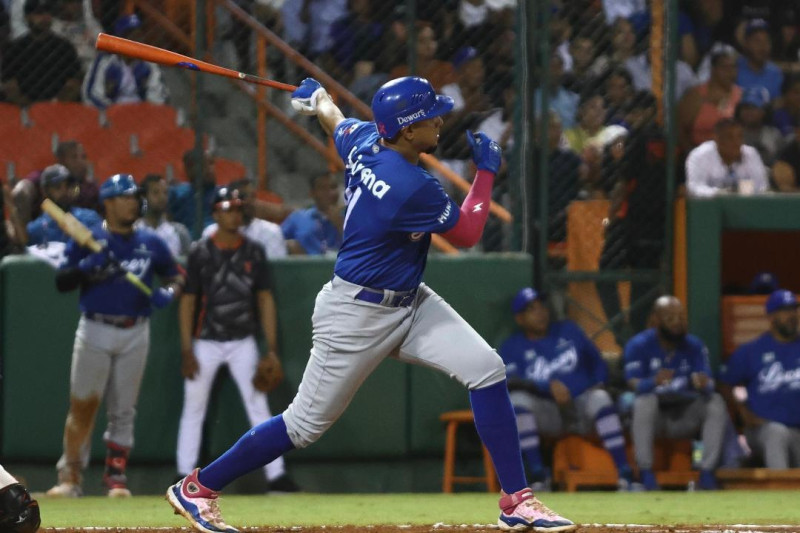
445,528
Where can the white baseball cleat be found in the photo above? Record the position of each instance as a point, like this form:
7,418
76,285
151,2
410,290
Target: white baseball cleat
65,490
119,492
522,510
198,505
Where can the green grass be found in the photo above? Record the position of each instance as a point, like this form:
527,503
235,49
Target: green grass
729,507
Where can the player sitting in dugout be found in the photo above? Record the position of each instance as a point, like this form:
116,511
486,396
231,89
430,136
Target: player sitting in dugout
556,377
769,369
669,371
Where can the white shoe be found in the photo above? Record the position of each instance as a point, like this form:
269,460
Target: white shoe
523,511
119,492
65,490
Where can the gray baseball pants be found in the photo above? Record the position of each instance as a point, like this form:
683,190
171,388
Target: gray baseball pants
107,364
706,415
777,443
350,338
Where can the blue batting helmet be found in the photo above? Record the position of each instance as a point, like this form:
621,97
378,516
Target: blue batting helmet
118,185
403,101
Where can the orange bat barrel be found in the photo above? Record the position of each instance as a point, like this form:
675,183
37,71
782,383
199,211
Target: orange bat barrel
154,54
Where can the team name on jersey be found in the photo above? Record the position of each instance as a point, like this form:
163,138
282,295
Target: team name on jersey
565,363
357,169
445,214
408,118
774,377
137,265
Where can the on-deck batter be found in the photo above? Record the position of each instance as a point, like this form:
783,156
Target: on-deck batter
113,336
376,305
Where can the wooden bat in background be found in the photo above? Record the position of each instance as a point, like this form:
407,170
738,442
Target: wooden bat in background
81,235
154,54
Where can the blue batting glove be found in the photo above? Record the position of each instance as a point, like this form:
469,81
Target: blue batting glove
304,98
486,153
162,297
96,261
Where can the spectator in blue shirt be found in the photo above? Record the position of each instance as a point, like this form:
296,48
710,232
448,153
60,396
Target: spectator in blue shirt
318,229
755,70
769,369
556,378
181,206
60,187
669,371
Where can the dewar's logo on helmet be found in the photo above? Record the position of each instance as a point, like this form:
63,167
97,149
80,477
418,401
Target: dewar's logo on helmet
410,118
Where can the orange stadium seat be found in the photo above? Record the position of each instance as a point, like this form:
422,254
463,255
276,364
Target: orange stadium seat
127,164
101,145
145,120
10,119
28,149
66,119
228,170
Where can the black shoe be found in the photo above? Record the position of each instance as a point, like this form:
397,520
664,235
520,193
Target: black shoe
283,484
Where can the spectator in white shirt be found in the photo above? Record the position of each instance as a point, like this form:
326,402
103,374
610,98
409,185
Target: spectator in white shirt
725,164
155,194
267,234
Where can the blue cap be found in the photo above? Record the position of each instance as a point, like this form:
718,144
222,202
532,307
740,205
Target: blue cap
781,299
464,54
757,96
523,298
126,23
754,26
764,283
54,174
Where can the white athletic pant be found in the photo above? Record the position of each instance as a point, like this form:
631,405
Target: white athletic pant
241,356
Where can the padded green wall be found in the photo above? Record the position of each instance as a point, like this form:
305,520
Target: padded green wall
394,415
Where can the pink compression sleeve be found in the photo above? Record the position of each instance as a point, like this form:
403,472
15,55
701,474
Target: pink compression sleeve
474,212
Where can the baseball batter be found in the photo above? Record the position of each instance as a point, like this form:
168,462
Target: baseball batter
376,305
19,513
671,375
769,367
556,377
228,273
113,337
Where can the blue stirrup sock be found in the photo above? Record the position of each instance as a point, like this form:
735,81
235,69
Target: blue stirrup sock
259,446
609,428
497,428
529,443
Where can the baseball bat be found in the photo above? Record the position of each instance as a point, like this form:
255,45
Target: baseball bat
81,235
154,54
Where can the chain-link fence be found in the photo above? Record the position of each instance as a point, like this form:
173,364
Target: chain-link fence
584,188
598,194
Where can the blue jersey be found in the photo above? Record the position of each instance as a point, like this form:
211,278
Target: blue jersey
315,233
392,208
142,253
770,78
44,229
565,354
644,357
181,205
771,372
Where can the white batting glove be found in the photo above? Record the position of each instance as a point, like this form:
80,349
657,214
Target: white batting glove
304,98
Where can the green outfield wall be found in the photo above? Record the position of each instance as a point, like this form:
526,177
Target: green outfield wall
394,415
